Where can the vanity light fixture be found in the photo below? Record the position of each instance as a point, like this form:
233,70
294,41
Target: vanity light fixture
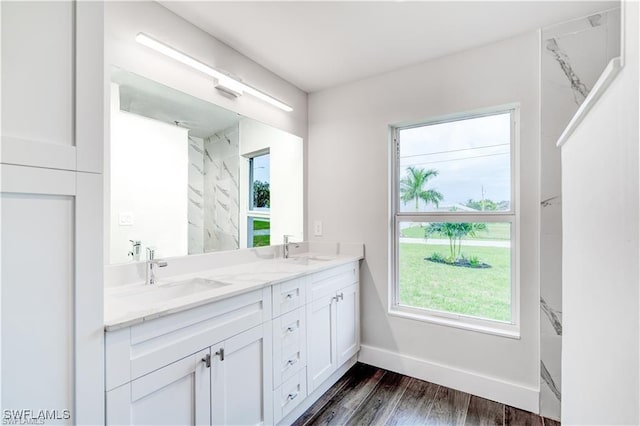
227,84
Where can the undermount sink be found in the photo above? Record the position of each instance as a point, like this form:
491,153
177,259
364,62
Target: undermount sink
149,294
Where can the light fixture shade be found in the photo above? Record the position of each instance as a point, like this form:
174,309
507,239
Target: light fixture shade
225,82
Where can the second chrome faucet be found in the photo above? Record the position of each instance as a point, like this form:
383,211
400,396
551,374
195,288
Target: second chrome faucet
151,265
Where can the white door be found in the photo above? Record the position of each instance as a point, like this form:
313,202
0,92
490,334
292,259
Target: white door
347,323
321,350
177,394
241,379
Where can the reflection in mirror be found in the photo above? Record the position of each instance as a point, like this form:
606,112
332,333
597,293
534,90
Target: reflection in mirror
189,177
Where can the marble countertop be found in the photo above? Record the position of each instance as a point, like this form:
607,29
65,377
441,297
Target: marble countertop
132,304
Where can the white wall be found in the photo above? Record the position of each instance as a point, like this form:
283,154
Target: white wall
124,20
349,150
286,179
600,185
151,183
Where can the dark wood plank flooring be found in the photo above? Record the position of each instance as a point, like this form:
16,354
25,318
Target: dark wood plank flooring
368,395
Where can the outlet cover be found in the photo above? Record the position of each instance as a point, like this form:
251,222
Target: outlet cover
317,228
125,219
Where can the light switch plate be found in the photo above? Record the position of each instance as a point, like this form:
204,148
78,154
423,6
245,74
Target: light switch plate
125,219
317,228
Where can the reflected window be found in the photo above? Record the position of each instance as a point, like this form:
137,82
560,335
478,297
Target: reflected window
259,234
260,192
258,217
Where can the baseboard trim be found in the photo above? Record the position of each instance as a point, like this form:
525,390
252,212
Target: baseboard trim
497,390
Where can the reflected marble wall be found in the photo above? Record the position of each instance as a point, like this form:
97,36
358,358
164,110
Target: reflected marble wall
221,177
574,54
195,211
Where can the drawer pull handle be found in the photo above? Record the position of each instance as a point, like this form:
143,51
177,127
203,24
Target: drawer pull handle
220,353
341,296
292,361
292,396
291,329
207,360
289,296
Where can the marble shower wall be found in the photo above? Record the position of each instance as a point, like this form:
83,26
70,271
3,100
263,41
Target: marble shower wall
574,54
221,177
195,211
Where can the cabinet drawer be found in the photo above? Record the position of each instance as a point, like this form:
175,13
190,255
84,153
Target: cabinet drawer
288,296
289,395
289,345
326,283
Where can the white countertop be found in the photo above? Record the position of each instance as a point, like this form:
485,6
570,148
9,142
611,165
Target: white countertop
120,312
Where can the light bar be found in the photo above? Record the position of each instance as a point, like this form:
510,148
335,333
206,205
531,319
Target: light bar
223,80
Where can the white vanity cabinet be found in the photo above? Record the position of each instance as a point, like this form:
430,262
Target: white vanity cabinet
207,365
249,359
333,321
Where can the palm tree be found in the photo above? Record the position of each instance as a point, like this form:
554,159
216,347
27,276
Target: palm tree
412,187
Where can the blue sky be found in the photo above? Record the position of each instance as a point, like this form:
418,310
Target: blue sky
261,168
469,155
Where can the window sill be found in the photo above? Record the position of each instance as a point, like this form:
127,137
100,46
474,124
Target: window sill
495,328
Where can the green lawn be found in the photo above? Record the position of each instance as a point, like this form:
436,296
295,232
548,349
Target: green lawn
261,240
495,231
484,293
259,224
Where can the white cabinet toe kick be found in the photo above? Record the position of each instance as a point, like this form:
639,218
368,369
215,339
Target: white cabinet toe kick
242,360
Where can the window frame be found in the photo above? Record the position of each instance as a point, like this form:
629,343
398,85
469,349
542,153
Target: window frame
507,329
261,212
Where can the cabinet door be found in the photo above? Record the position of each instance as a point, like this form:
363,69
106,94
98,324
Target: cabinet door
347,323
241,379
51,305
321,350
177,394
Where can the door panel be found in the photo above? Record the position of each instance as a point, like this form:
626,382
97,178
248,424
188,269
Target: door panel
238,381
321,351
347,323
37,301
177,394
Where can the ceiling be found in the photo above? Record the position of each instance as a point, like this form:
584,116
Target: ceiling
317,45
150,99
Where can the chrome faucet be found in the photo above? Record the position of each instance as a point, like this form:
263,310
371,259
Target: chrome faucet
151,266
134,254
285,246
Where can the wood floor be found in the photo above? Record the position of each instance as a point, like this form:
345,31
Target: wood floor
368,395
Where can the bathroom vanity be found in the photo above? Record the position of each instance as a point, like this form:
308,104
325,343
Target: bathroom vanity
241,344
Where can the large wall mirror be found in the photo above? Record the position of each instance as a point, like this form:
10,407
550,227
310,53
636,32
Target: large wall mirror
190,177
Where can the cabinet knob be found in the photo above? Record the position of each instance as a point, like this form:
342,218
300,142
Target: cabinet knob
292,396
220,353
292,361
207,360
291,329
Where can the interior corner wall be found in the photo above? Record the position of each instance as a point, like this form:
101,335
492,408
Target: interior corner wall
350,123
286,182
600,298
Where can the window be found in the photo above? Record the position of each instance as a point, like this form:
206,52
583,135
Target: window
455,221
258,217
